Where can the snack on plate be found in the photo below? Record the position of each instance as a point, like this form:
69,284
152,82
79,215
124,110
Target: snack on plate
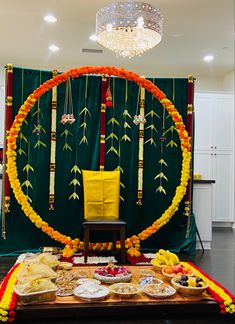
78,274
83,281
149,280
66,282
45,258
33,271
146,273
36,286
159,291
91,292
65,265
125,290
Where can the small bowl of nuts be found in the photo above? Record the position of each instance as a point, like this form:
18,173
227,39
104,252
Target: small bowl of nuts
125,290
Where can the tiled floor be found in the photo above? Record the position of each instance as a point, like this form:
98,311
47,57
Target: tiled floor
219,262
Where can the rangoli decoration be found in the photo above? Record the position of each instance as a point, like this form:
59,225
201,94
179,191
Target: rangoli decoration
72,245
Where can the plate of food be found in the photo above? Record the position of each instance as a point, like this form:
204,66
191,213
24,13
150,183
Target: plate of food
83,281
91,292
159,291
112,274
124,289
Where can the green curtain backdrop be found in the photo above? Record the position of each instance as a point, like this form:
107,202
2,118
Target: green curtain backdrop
71,149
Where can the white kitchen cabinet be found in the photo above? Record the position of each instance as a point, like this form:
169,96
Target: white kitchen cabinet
214,149
202,209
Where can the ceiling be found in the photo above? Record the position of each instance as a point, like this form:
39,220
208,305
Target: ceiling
192,29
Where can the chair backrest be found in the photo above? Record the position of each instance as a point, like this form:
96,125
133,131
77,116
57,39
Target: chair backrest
101,194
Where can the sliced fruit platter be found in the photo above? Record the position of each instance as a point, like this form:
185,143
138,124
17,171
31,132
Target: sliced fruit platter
112,274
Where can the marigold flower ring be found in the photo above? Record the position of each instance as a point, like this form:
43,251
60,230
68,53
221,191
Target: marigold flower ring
72,245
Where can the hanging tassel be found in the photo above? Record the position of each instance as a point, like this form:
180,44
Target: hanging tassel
108,95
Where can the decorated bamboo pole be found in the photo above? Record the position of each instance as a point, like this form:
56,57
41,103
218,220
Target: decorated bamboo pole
141,119
103,121
53,146
190,117
8,123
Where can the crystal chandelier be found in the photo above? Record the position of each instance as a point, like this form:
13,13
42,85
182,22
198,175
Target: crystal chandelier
129,28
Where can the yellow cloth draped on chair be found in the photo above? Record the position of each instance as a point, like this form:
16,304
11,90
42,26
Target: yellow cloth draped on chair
101,194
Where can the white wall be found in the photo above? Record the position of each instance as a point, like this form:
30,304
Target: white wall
228,82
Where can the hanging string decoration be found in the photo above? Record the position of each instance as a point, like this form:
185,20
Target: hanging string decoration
83,114
28,169
53,146
172,130
161,177
140,120
112,137
103,121
38,128
72,245
68,116
151,125
126,116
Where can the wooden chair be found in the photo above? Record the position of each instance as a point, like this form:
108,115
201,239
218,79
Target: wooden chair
114,226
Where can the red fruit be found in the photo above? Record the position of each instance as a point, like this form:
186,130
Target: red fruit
178,268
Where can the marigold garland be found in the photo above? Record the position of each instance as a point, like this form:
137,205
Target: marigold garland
222,295
72,245
8,298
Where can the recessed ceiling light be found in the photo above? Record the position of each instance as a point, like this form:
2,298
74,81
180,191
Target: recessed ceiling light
208,58
50,19
93,37
53,48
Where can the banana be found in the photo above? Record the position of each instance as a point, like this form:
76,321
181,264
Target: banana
175,258
166,257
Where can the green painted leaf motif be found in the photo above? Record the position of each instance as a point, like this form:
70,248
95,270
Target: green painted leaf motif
151,141
27,184
119,168
121,198
29,199
152,113
112,149
126,113
37,112
170,129
20,151
28,168
122,185
126,125
25,121
161,189
66,132
21,136
113,121
152,127
75,169
161,175
74,196
85,111
75,182
125,138
112,135
39,143
161,161
83,140
172,144
67,147
84,125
